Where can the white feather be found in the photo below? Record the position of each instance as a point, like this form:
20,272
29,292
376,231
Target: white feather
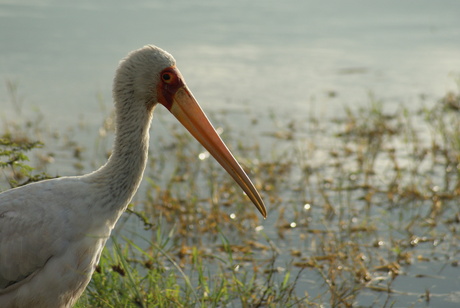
52,232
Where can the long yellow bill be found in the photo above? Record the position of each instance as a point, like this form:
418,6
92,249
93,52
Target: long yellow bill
187,110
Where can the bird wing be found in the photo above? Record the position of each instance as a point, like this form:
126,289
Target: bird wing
30,231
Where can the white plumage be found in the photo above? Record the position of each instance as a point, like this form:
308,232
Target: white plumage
52,232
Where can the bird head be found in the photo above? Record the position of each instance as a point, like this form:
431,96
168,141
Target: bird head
149,75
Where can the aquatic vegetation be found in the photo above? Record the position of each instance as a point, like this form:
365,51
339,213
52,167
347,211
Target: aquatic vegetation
363,211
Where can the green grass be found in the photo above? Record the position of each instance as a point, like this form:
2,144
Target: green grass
355,204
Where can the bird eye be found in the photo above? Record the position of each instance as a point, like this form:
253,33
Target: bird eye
167,77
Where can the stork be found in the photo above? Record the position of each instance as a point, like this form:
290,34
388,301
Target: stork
52,232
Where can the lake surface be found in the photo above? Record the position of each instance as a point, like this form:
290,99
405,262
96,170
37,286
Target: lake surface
263,54
296,58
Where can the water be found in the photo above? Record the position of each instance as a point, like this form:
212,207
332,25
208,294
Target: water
267,55
241,56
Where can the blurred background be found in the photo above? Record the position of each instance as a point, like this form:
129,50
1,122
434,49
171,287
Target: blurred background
292,56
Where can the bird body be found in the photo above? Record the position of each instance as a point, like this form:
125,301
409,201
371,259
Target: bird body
48,243
52,232
54,240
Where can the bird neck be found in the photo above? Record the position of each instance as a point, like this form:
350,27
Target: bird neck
119,179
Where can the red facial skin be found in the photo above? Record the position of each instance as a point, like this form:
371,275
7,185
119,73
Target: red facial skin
171,81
